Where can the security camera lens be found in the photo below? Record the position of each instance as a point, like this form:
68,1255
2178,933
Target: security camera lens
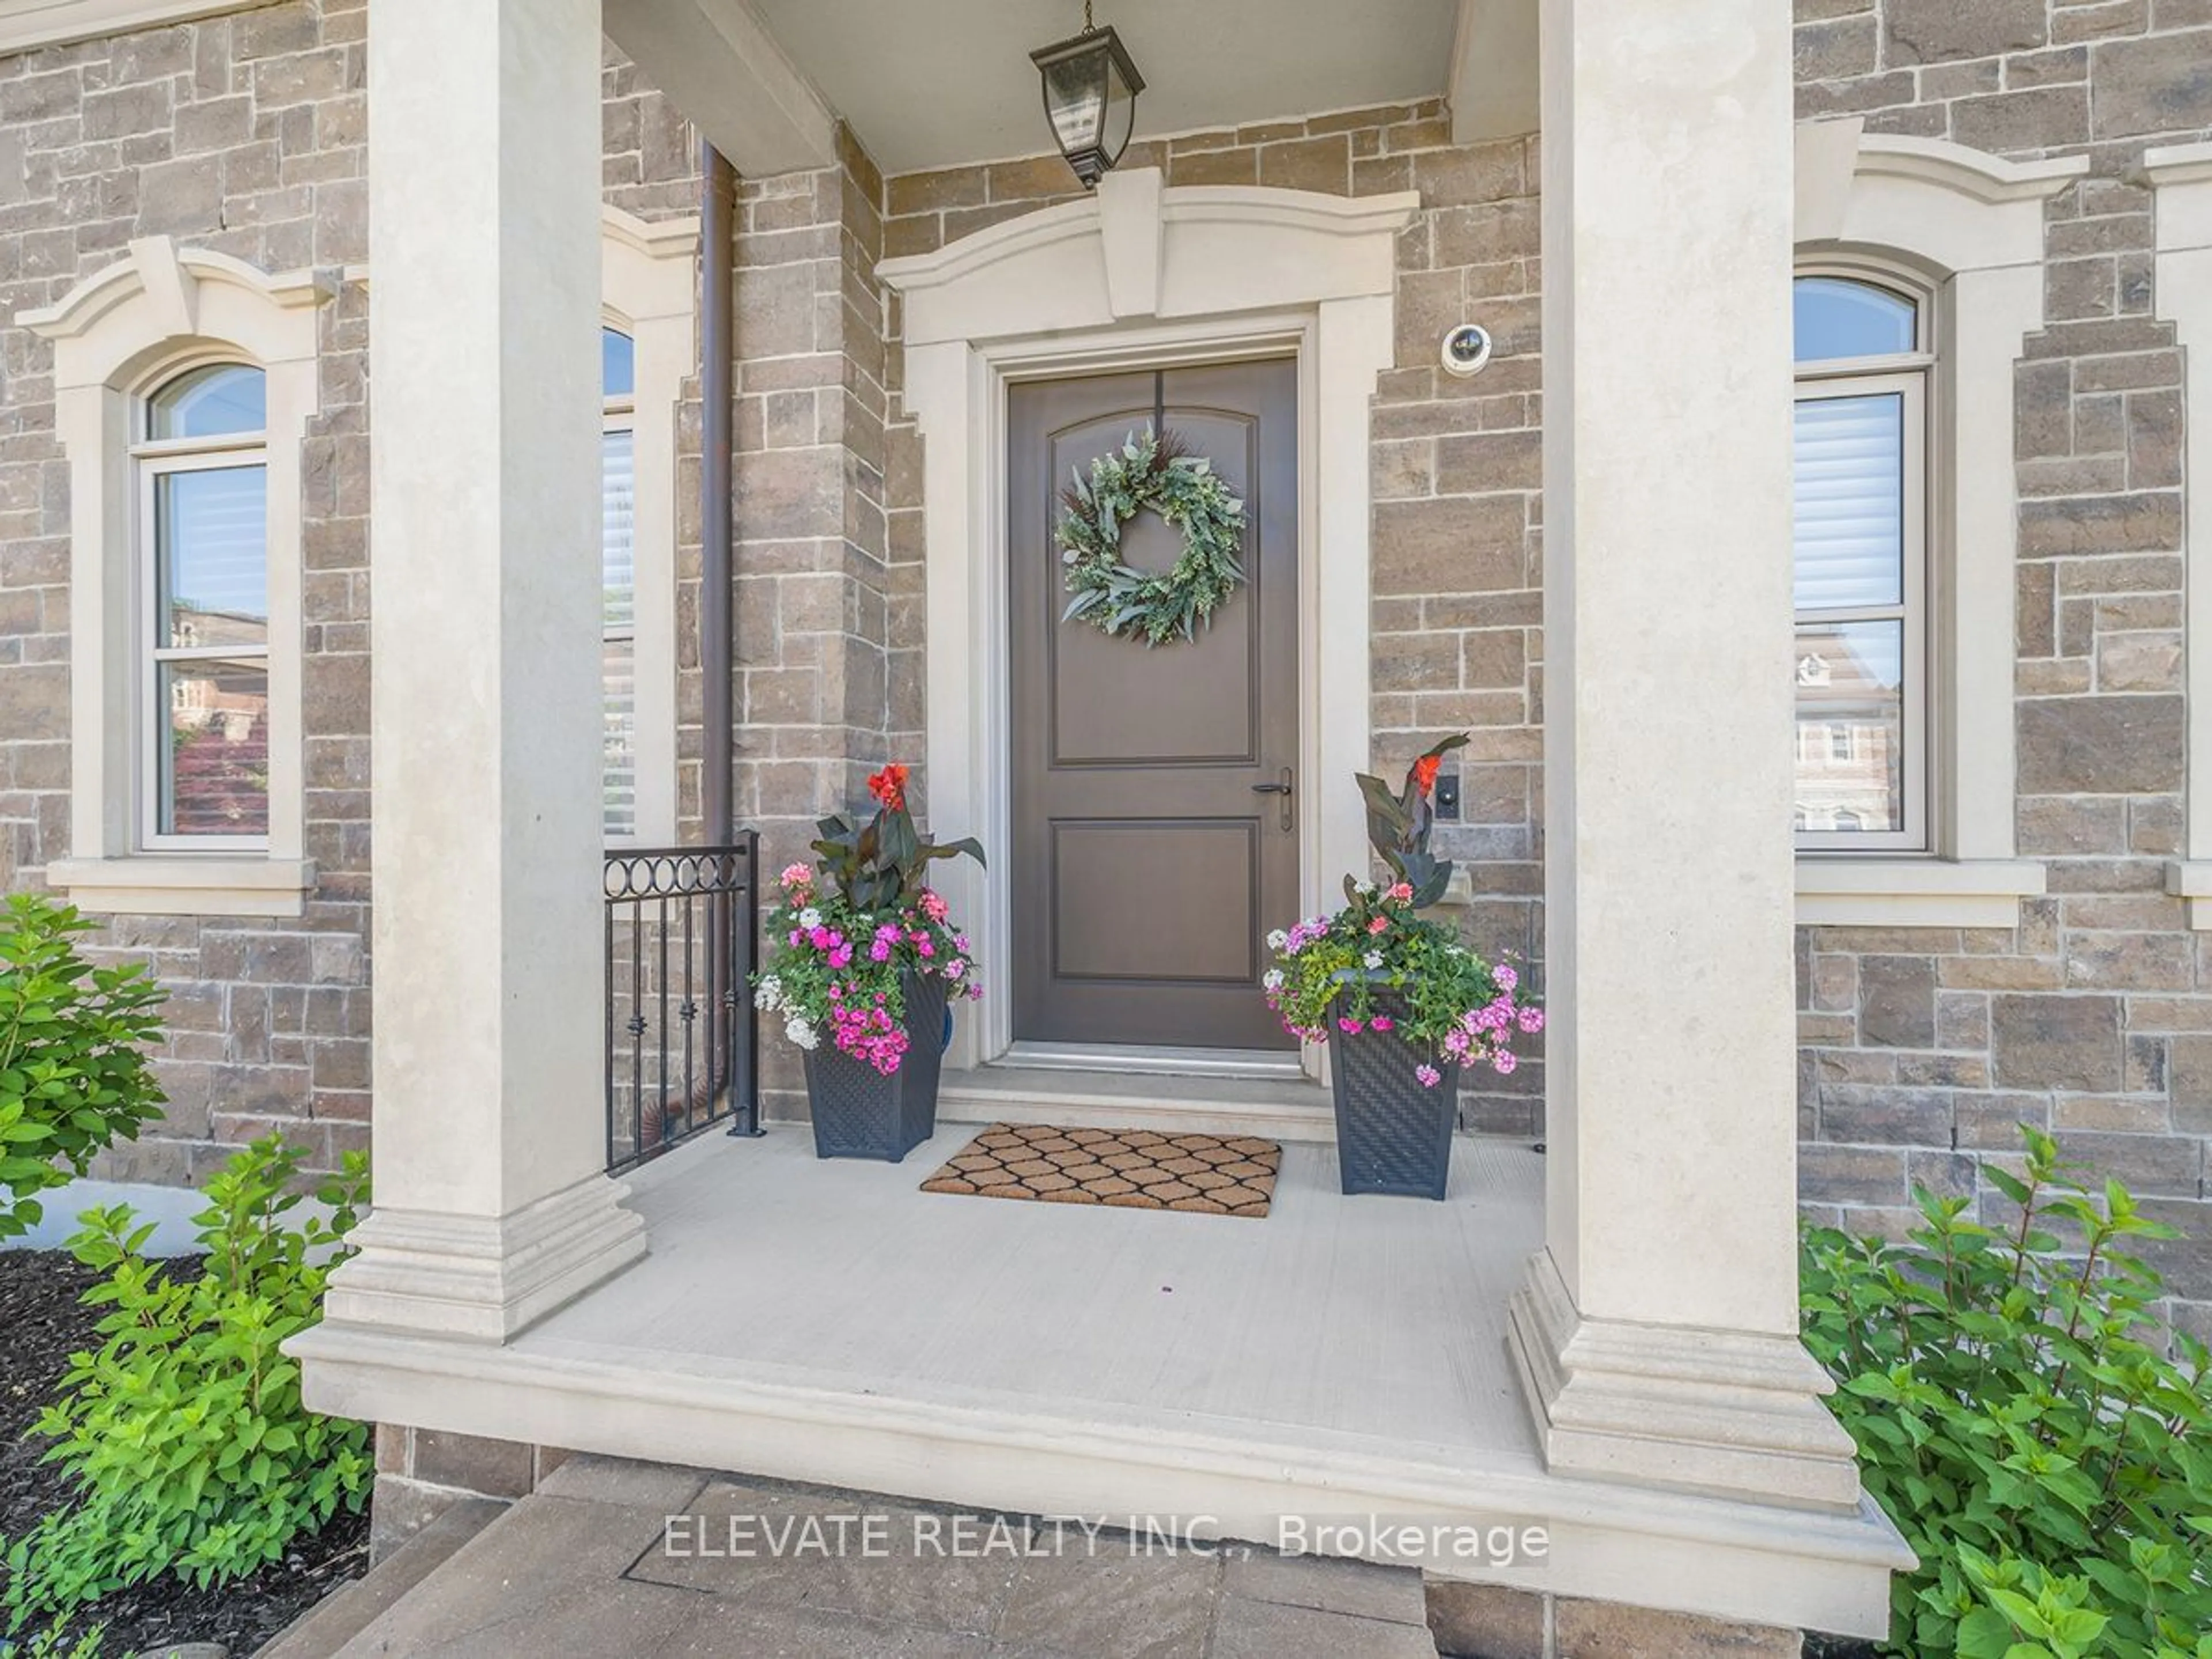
1467,343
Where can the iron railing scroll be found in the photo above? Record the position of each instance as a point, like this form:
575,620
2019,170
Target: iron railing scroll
683,1038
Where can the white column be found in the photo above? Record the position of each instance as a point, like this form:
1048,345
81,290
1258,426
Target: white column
1657,1332
484,254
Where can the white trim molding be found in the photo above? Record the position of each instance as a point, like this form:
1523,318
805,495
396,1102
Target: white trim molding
2180,177
1143,274
24,26
1914,892
115,335
648,289
1971,225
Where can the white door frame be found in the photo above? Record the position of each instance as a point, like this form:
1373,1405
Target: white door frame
1141,277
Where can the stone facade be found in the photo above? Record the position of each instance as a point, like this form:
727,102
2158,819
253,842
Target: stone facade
245,134
1922,1048
242,134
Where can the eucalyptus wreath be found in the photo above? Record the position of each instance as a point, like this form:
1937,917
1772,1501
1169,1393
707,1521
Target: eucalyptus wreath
1159,473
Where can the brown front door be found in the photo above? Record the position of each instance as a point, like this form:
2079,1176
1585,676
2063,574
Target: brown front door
1146,862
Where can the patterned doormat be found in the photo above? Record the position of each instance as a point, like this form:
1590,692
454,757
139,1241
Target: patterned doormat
1128,1169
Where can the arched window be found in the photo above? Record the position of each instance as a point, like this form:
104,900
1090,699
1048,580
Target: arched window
184,381
202,532
1863,360
618,551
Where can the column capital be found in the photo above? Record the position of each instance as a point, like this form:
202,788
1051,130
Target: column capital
1736,1414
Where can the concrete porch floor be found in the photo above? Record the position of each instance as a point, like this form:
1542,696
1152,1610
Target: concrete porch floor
1341,1359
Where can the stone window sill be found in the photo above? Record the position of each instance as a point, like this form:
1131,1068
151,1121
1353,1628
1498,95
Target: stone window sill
183,885
1914,892
2192,880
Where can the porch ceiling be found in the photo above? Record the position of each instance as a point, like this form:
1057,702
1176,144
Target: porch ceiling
950,82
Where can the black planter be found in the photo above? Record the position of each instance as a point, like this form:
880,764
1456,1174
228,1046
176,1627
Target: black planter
857,1111
1392,1135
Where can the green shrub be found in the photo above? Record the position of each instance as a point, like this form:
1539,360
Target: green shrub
2018,1418
73,1073
185,1430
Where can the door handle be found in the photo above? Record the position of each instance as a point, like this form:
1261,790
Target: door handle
1281,786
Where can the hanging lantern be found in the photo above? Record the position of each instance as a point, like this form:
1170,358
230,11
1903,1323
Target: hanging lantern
1090,91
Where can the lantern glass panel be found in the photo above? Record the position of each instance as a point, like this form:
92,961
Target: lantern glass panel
1120,115
1075,96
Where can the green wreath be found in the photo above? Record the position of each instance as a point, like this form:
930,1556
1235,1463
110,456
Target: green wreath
1158,472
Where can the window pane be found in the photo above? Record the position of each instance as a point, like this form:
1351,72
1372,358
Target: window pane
618,529
1850,727
1841,319
617,364
1850,502
214,749
216,402
619,778
210,538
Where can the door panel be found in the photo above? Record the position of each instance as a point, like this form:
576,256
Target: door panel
1145,867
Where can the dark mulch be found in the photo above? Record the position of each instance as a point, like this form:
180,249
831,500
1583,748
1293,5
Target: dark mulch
41,1324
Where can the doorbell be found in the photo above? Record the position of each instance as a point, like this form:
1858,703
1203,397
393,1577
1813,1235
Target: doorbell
1466,349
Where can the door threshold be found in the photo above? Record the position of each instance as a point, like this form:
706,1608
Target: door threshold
1150,1061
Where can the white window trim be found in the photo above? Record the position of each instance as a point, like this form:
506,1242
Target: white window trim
116,336
649,288
30,24
151,464
1907,379
1972,225
2180,177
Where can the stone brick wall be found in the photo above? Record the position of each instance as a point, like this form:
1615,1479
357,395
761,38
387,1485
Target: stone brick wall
245,134
242,134
816,585
1923,1049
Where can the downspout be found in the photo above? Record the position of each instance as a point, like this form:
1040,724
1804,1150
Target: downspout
734,1007
717,373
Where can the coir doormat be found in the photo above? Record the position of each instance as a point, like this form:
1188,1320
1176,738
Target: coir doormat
1128,1169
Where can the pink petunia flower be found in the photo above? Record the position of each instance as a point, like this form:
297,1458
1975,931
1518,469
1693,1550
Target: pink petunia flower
1429,1075
1383,1021
1349,1026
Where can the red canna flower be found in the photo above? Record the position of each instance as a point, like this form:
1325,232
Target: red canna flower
888,786
1425,773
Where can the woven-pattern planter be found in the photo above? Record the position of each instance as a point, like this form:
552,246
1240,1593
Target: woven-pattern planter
859,1112
1392,1135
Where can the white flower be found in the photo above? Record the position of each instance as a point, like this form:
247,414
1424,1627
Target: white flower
769,996
1272,979
799,1032
1372,959
1278,939
810,918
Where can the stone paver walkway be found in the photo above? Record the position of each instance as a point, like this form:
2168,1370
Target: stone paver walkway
592,1565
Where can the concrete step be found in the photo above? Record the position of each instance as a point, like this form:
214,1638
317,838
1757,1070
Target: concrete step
1282,1108
337,1619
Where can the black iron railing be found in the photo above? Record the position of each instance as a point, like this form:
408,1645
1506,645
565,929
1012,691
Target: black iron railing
683,1039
